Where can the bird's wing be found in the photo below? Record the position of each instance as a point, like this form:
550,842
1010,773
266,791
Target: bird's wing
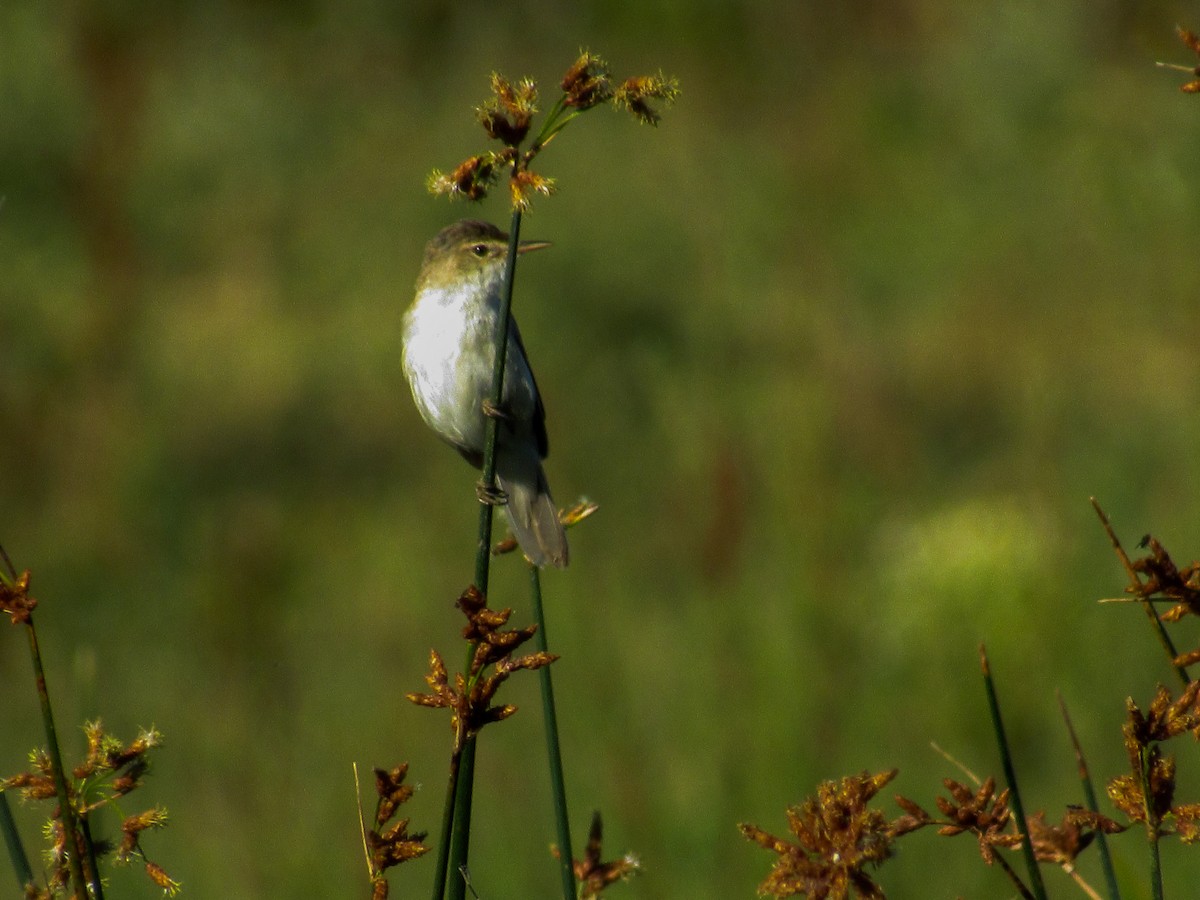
539,411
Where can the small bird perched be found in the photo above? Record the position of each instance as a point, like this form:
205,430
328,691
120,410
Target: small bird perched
449,354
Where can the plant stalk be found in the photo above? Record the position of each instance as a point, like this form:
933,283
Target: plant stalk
558,789
1089,795
1135,587
461,827
1145,760
16,850
66,811
1010,776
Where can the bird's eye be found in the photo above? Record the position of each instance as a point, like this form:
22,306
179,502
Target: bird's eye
479,250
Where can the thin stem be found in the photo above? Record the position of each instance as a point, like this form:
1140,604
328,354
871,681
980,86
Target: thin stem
1083,885
1136,589
66,812
372,875
16,850
557,784
974,779
443,857
461,819
93,869
1014,877
1089,796
1145,761
460,841
1191,70
1010,776
549,128
483,550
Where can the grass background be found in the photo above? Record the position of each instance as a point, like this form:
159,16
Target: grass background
842,349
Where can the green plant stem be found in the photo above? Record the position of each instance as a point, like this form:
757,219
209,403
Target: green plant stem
460,840
1135,586
443,856
1089,796
1010,775
461,827
550,127
95,884
1013,877
483,552
1156,886
66,812
1145,761
558,789
16,850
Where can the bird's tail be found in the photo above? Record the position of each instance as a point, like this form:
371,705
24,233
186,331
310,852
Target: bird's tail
532,514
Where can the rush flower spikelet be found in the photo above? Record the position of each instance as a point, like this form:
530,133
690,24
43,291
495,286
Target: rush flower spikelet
836,836
470,697
507,116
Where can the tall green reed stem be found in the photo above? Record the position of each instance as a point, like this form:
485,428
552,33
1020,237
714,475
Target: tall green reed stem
16,850
79,884
1135,585
1146,757
558,788
1010,775
66,811
463,777
1089,795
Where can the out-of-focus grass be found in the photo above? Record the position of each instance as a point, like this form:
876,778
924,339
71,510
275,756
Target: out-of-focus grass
842,349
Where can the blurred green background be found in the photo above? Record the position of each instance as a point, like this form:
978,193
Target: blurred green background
842,349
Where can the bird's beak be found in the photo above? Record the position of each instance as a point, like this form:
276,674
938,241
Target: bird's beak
526,246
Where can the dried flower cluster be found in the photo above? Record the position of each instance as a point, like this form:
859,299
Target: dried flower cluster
635,95
469,697
507,117
594,874
987,816
111,770
1061,844
586,82
508,113
1156,577
836,837
471,178
1146,793
390,845
983,813
1192,41
15,601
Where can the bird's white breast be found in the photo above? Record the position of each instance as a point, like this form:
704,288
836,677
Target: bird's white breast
448,358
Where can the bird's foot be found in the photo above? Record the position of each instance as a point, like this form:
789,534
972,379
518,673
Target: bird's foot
492,411
490,494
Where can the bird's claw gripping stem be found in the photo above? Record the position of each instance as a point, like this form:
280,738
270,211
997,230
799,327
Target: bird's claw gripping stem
490,494
492,411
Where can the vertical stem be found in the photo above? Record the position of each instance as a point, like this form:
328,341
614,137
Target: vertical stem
460,841
1014,878
461,833
1135,587
1146,757
483,551
16,850
443,857
1010,775
558,789
70,832
1089,795
95,883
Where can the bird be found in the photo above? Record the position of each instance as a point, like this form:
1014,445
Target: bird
449,341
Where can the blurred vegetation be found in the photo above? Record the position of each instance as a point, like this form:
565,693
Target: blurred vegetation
842,349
